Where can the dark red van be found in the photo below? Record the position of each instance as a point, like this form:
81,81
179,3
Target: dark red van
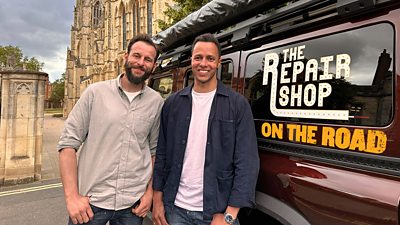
322,79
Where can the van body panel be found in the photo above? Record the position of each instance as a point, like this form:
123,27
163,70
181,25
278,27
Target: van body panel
329,193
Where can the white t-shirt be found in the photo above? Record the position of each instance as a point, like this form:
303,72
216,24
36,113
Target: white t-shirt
190,191
131,95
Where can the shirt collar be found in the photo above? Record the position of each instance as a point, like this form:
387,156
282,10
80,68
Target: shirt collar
119,86
221,89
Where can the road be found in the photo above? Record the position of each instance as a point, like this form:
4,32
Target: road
40,203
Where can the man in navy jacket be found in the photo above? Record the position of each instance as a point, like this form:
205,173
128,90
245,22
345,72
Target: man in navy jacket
207,162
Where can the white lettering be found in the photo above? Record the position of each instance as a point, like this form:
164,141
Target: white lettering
326,75
311,69
284,73
309,100
270,68
343,64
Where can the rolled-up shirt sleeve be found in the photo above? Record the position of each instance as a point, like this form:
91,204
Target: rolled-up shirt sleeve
77,124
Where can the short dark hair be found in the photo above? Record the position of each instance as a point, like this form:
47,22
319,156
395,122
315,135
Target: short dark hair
145,38
207,37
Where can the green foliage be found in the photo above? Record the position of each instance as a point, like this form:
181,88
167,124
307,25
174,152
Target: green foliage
14,55
57,91
33,64
180,10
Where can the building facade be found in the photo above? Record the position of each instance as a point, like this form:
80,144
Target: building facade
99,36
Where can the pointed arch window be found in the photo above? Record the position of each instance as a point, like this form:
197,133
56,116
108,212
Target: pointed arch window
123,29
97,14
138,17
149,16
134,18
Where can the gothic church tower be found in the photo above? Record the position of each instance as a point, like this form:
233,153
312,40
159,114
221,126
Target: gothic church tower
99,36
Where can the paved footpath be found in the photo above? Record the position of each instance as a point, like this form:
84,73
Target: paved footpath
52,128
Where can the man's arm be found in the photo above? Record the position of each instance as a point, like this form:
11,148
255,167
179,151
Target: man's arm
77,206
246,159
158,209
246,162
146,200
159,175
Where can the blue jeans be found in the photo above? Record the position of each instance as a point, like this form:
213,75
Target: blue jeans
119,217
178,216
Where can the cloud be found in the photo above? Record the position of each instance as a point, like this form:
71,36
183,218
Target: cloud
41,28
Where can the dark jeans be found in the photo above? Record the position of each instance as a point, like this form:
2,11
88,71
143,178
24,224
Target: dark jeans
178,216
119,217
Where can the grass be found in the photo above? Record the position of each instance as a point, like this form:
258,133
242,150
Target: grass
53,110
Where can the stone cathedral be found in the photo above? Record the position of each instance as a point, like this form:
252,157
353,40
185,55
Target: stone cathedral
99,36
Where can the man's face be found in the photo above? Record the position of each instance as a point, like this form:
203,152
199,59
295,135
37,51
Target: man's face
139,64
205,61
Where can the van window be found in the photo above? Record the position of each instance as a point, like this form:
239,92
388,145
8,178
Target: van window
163,85
343,78
189,78
226,73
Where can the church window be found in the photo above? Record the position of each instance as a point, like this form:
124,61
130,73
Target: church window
97,14
123,29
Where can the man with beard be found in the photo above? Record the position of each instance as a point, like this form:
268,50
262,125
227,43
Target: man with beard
114,126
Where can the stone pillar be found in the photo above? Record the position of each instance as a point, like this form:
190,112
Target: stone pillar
21,128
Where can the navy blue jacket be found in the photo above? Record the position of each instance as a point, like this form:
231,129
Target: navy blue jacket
231,162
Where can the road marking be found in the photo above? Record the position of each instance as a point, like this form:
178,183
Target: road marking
31,189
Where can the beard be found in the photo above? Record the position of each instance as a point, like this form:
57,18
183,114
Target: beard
133,78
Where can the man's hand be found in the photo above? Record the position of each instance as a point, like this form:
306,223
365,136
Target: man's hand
158,212
144,205
218,219
77,205
79,209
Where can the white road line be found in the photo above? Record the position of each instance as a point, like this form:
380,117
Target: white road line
31,189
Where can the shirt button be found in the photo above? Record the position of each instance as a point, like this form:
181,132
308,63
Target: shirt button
183,141
179,166
208,142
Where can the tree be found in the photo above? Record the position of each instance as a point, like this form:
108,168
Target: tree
180,10
33,64
57,92
13,55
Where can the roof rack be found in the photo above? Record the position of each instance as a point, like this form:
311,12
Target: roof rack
215,15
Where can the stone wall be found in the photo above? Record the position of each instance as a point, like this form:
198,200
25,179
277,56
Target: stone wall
21,126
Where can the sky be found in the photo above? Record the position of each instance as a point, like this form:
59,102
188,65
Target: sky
40,28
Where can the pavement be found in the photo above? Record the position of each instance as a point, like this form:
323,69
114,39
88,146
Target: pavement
52,127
